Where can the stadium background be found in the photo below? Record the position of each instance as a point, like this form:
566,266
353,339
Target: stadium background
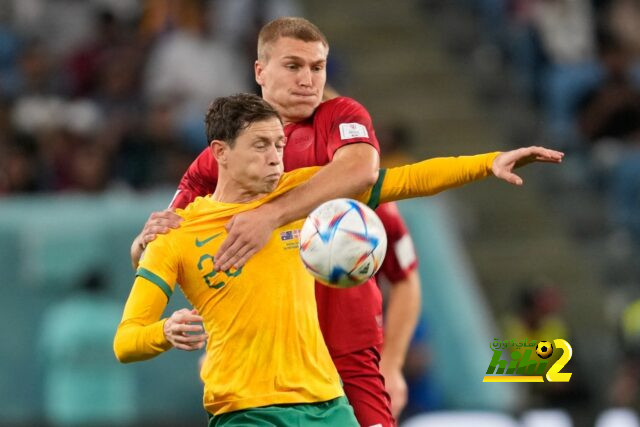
101,108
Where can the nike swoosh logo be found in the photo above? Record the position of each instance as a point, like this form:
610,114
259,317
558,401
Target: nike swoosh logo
201,243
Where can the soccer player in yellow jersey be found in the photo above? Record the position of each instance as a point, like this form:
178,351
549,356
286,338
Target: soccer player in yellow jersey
266,360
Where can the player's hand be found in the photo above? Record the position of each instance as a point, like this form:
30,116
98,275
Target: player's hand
184,330
504,164
248,232
159,223
396,387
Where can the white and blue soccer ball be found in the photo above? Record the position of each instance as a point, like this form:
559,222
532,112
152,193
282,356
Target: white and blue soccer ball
342,243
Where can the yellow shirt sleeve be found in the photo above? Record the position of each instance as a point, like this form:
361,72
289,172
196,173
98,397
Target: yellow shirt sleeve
427,178
140,335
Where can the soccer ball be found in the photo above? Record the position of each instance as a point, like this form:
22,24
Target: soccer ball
544,349
342,243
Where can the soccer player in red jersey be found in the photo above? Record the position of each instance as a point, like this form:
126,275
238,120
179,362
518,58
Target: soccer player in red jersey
338,133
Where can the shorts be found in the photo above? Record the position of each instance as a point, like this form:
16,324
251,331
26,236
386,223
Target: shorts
334,412
364,386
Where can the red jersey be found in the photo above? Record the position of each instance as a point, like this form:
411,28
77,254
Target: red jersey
350,319
400,258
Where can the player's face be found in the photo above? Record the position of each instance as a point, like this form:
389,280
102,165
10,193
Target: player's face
293,77
255,161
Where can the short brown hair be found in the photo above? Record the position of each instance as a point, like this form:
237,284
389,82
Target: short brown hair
293,27
229,115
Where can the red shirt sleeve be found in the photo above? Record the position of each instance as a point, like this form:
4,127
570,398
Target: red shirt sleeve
199,180
401,257
350,123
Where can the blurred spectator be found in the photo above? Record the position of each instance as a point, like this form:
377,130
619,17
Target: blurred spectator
625,384
191,68
612,108
36,76
153,154
18,168
84,62
566,30
90,168
537,316
63,25
622,18
84,385
566,33
395,143
253,14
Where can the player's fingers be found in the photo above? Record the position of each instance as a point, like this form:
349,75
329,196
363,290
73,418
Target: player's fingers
188,327
511,178
162,222
223,251
549,159
188,317
180,316
239,258
244,258
171,218
225,254
190,339
546,153
147,238
151,232
188,347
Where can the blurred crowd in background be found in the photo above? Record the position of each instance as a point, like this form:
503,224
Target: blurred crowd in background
578,62
576,65
96,94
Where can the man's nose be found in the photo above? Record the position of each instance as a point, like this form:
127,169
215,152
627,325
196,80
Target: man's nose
305,77
274,157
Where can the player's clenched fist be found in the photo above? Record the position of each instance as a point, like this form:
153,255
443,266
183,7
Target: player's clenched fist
184,330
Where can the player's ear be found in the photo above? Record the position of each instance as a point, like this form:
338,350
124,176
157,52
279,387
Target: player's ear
258,68
219,150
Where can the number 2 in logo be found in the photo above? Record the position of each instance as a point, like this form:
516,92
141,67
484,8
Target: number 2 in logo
554,374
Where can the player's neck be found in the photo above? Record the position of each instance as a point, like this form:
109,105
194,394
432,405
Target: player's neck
230,191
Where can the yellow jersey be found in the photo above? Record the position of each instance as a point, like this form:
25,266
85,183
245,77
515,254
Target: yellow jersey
265,346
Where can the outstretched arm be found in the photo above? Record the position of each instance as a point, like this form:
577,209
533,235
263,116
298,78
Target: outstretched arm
432,176
353,169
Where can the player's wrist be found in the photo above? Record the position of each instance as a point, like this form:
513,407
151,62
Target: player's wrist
275,215
166,324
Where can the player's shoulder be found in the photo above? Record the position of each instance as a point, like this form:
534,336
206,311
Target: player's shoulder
195,208
341,104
